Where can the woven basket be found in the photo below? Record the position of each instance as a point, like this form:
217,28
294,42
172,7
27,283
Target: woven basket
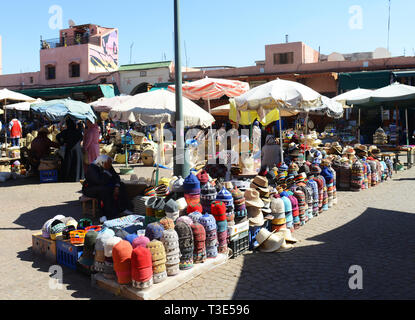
139,205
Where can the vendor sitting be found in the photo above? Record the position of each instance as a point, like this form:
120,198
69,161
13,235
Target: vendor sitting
40,148
104,184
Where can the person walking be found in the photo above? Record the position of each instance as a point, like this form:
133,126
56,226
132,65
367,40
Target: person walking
72,168
91,143
15,128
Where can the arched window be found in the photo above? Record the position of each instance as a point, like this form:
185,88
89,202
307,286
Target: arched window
74,70
50,72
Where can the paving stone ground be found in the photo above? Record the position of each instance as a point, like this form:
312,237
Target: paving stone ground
373,229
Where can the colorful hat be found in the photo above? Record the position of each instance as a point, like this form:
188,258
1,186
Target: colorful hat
140,241
170,241
191,184
154,231
150,192
141,266
315,169
199,233
252,198
158,253
225,196
109,243
121,255
130,237
87,258
194,207
56,229
208,222
185,219
195,216
177,185
218,210
167,223
203,177
162,190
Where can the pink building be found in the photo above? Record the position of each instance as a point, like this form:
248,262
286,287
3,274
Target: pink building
82,63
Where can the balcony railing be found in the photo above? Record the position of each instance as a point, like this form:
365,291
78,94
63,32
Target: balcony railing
68,41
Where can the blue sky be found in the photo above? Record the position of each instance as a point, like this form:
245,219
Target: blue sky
216,32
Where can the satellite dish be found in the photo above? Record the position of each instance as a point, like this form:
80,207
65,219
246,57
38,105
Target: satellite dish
71,23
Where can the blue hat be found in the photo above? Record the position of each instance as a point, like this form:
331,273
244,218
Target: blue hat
154,231
225,196
191,185
130,238
208,221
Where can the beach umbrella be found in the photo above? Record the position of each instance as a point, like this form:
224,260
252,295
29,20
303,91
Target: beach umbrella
278,94
57,110
159,106
352,95
329,107
22,106
107,104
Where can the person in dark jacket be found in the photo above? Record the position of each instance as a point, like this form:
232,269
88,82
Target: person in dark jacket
103,183
72,165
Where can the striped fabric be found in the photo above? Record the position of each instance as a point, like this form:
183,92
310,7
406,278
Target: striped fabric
314,187
210,89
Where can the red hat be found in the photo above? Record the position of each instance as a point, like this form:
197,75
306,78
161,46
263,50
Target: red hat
193,207
141,265
203,177
121,255
199,233
218,210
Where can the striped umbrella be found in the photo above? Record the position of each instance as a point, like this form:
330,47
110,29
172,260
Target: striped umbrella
211,88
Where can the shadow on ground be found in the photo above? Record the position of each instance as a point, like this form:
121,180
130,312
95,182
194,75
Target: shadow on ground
72,280
382,242
34,220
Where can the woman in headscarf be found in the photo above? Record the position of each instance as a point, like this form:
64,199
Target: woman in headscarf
72,168
270,153
91,143
103,183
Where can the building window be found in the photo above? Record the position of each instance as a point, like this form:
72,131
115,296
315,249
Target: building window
103,80
284,58
74,70
143,73
50,71
31,79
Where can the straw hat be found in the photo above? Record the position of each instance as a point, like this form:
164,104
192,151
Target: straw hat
269,241
349,151
255,217
288,236
252,199
260,183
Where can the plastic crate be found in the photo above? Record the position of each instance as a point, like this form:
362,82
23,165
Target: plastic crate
45,248
48,176
253,231
239,246
67,254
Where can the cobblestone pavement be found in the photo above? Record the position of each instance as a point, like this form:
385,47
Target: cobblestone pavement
373,229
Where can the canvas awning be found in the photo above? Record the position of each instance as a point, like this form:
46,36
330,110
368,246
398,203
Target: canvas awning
108,90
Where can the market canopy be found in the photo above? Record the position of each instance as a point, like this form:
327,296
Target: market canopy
329,107
212,88
394,95
6,94
355,94
107,104
156,107
22,106
56,110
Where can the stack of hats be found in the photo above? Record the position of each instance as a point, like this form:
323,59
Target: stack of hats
219,212
199,243
185,219
176,187
203,177
150,192
357,176
170,241
301,199
207,195
345,172
141,268
154,231
171,209
167,223
239,204
191,189
87,258
185,234
162,190
313,186
254,206
261,185
121,255
295,211
334,173
56,229
328,176
158,256
99,257
226,197
278,212
109,243
182,206
209,223
380,137
288,210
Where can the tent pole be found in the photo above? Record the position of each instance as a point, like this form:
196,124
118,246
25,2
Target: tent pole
358,129
281,144
407,129
306,133
5,124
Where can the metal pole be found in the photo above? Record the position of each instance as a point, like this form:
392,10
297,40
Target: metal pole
279,121
358,129
5,124
407,129
180,152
